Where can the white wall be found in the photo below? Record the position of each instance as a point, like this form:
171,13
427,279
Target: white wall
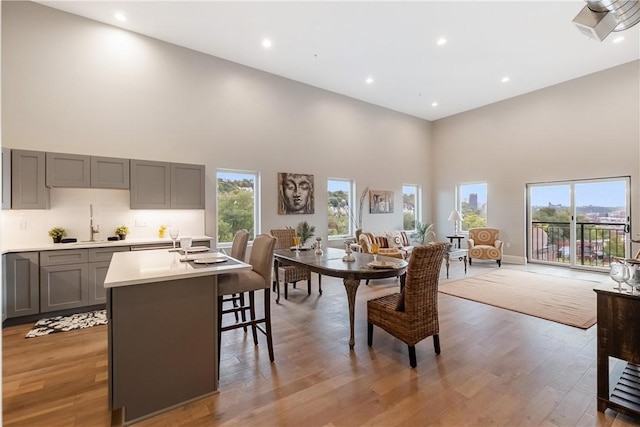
584,128
74,85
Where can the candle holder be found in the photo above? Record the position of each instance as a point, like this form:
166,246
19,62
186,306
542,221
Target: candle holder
318,250
349,253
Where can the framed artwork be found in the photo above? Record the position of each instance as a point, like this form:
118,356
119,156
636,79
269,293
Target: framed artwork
380,201
295,193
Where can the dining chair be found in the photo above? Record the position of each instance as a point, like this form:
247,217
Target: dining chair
239,252
261,260
290,273
412,314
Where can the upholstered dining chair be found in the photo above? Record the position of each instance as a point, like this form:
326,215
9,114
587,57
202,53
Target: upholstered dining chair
412,314
239,252
485,243
261,259
289,273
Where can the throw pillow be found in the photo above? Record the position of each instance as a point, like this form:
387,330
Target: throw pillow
394,239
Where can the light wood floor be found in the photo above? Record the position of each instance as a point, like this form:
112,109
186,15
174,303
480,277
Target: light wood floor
496,368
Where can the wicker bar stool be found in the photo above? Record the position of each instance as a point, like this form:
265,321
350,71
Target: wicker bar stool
412,315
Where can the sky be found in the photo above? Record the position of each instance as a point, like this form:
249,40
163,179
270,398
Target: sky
607,193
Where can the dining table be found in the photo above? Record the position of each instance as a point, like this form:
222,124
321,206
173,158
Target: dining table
330,263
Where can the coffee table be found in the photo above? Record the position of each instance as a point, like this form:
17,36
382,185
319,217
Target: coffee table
460,254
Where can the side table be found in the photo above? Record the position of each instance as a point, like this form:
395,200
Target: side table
457,239
461,254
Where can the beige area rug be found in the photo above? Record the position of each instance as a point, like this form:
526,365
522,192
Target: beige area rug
563,300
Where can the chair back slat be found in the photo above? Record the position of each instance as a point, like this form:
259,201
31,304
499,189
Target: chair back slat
284,237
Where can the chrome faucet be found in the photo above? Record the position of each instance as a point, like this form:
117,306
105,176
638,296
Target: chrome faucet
92,229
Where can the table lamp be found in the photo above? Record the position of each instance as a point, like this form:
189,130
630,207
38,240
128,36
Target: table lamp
455,216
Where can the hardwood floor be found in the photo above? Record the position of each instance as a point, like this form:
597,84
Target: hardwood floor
497,367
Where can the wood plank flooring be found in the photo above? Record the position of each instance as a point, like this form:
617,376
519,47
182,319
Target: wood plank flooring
496,368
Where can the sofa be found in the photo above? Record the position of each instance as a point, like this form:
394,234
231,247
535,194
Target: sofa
392,243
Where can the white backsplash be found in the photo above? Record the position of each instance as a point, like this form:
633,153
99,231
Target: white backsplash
69,209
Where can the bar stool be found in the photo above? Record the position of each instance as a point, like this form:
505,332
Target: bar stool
261,260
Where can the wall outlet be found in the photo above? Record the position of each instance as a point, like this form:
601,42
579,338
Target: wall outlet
141,223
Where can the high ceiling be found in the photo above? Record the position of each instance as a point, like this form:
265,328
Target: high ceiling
338,45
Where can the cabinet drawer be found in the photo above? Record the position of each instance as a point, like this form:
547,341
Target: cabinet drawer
105,254
72,256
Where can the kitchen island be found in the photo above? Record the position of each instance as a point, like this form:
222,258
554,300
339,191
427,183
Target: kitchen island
162,330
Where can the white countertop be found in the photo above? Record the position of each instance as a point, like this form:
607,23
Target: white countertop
134,268
101,244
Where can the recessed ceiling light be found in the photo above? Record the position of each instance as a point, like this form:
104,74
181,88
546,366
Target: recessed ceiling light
434,104
120,16
505,79
618,39
369,80
266,43
441,41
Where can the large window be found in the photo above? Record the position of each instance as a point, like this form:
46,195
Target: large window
411,206
342,214
238,202
472,203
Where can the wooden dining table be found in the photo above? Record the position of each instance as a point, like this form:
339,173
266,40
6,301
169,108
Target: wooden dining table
330,263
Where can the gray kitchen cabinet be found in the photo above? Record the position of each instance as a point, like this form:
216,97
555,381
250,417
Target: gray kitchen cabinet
109,172
150,185
28,182
68,170
99,260
21,284
187,186
64,279
6,178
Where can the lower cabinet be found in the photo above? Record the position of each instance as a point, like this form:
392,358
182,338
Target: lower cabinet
63,287
97,273
21,284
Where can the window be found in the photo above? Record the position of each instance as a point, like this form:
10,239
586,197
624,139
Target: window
472,203
342,215
238,202
411,206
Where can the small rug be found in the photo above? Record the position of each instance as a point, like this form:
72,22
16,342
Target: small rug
52,325
559,299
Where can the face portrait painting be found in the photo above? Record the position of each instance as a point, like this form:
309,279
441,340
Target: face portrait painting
295,194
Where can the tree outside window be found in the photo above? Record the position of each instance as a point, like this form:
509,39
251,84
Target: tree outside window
472,203
341,212
237,204
410,206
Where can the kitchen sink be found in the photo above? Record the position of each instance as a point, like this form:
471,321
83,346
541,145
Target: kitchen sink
95,242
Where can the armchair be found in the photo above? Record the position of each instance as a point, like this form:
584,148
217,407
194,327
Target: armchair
484,243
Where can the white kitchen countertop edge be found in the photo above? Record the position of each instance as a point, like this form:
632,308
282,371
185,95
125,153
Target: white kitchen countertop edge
140,267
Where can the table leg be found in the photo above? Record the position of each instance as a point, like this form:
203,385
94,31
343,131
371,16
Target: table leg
446,263
351,286
276,266
465,264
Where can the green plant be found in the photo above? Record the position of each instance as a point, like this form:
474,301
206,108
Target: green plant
305,231
424,232
123,229
57,232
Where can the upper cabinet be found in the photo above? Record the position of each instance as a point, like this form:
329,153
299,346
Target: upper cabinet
6,178
28,189
78,171
187,186
160,185
150,185
68,170
109,172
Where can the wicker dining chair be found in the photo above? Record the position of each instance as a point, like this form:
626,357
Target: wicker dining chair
239,252
289,273
412,314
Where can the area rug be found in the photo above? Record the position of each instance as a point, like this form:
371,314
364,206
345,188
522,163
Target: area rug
52,325
559,299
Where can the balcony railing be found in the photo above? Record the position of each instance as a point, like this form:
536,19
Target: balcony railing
596,242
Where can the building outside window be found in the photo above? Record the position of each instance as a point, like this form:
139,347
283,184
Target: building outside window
411,206
341,211
472,203
237,204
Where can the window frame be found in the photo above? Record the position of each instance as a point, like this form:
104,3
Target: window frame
418,205
256,203
351,202
459,200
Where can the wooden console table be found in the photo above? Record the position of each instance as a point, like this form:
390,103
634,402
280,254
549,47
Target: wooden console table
618,320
